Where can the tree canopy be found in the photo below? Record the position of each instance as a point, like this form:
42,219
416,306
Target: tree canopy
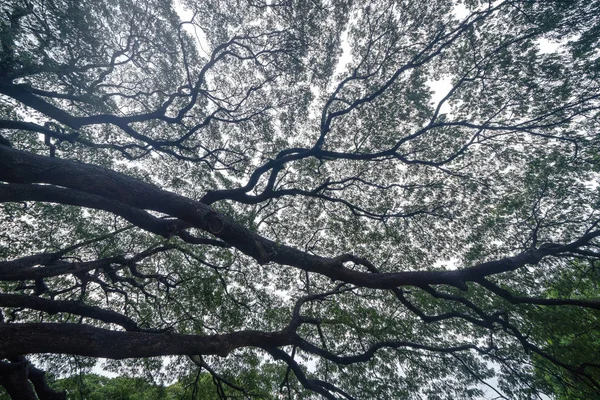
330,199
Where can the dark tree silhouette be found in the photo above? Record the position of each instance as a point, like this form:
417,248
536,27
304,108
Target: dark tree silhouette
354,199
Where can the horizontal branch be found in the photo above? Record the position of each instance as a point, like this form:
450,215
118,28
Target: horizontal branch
21,167
25,268
370,352
66,306
86,340
506,295
52,194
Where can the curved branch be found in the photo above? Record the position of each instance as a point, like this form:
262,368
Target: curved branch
22,167
23,268
506,295
52,194
66,306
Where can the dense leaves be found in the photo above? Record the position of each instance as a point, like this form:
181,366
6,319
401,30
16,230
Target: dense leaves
294,199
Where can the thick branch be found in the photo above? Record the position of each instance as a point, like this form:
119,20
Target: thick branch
72,307
85,340
140,218
22,167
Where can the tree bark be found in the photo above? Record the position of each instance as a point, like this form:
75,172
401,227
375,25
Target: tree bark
86,340
22,167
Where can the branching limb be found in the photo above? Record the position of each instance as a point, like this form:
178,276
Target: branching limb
24,381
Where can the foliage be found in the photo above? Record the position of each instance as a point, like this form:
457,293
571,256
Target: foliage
570,342
336,198
96,387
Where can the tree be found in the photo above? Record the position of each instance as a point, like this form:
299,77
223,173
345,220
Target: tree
575,343
96,387
268,192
